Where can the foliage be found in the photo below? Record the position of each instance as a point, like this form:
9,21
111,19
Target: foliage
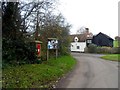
55,28
37,75
20,17
92,48
108,50
15,49
10,20
116,43
104,50
12,38
117,38
33,13
18,52
115,50
113,57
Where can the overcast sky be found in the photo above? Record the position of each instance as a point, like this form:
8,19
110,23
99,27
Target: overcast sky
97,15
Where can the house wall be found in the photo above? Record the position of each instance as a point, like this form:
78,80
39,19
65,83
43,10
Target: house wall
78,46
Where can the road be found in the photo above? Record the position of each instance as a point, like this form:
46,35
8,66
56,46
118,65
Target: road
91,72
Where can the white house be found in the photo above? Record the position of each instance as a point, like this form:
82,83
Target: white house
80,41
78,46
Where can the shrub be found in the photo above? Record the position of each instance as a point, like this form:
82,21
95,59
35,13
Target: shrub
115,50
99,49
18,52
92,48
104,50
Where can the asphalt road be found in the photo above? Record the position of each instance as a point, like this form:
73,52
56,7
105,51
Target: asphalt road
91,72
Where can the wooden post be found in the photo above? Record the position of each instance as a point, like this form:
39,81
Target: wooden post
56,53
47,54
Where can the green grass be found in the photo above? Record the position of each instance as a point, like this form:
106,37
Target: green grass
112,57
37,75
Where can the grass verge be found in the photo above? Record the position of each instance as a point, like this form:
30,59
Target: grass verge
37,75
112,57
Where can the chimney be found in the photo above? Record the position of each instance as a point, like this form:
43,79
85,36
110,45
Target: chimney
87,30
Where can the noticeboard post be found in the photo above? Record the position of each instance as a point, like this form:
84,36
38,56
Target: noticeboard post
52,44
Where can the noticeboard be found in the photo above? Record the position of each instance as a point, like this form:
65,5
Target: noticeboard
52,43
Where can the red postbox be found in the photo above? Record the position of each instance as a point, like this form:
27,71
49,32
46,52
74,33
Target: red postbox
38,47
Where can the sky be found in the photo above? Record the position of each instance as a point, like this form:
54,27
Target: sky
97,15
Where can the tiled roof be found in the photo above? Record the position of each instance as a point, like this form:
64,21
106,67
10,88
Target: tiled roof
81,37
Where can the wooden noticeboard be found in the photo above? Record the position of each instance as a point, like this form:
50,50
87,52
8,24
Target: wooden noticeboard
52,44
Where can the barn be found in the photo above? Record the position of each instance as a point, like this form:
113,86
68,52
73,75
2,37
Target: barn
102,39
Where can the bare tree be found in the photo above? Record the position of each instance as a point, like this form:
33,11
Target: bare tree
82,30
33,13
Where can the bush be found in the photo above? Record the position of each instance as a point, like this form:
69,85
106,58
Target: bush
108,50
115,50
92,48
104,50
18,52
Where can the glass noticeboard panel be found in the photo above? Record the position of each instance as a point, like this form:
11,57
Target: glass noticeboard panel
52,44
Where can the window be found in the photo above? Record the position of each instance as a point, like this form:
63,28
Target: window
78,47
89,41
